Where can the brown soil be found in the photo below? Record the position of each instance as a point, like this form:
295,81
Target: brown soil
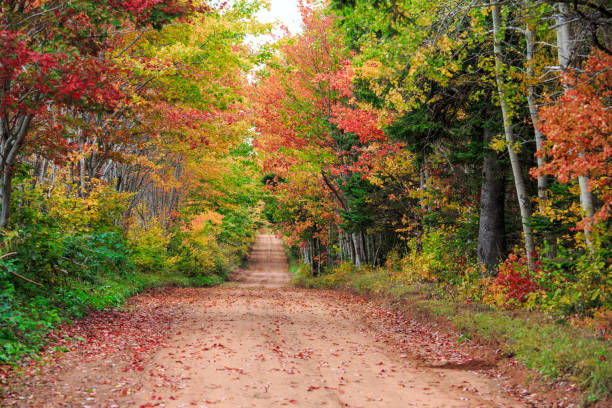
482,355
267,264
259,343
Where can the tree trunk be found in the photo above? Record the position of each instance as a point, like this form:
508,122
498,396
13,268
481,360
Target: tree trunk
43,171
492,229
11,142
330,247
352,250
357,259
564,50
539,137
340,254
318,242
5,191
363,245
533,112
82,185
519,182
377,249
422,189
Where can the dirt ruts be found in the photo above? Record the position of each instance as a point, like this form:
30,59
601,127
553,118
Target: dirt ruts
267,265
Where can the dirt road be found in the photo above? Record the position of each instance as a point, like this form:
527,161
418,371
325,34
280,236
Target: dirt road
243,345
267,264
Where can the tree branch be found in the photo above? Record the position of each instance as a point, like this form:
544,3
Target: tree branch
16,274
335,191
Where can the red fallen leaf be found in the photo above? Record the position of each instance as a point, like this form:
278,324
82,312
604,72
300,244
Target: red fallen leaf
426,388
312,388
293,401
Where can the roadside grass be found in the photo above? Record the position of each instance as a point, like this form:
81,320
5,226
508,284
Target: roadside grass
542,343
293,258
29,318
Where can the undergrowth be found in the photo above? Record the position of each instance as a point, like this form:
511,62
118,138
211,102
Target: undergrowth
551,346
26,320
64,255
293,258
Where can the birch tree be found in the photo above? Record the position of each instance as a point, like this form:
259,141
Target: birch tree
519,181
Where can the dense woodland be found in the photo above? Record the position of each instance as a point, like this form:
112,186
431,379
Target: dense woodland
124,153
461,144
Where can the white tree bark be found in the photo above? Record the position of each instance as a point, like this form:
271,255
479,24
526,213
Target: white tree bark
563,35
357,258
533,112
519,182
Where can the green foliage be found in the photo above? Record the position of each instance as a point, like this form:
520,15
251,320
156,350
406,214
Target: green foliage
176,139
65,265
578,282
293,258
149,244
26,318
359,217
550,347
45,253
73,248
304,277
439,255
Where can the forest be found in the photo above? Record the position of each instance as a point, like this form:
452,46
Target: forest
460,143
458,150
124,154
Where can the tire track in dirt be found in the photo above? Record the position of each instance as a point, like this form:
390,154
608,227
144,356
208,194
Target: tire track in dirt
267,264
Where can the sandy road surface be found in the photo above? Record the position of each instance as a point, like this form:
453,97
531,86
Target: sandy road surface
264,348
248,346
267,264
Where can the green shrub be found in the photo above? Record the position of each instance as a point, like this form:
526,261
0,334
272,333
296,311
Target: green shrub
578,281
149,244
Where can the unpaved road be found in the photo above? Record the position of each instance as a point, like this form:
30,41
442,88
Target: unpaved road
243,345
267,264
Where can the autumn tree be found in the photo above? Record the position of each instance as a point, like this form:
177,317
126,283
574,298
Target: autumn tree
54,58
578,133
311,122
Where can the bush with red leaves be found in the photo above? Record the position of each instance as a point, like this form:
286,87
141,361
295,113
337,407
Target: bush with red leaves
515,280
